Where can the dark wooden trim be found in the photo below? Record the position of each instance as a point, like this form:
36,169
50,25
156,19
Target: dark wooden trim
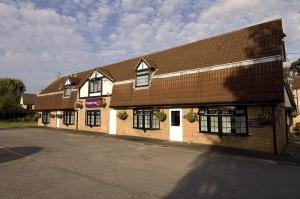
274,131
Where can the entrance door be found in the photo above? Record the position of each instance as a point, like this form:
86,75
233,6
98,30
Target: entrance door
176,125
112,121
58,120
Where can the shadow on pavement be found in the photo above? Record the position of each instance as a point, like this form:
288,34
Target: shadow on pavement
15,153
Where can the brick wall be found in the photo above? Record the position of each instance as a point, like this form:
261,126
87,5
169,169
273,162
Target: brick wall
260,139
125,127
103,128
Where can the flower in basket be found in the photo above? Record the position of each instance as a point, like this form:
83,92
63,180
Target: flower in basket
79,105
102,103
38,115
122,115
191,116
161,116
59,115
263,118
52,115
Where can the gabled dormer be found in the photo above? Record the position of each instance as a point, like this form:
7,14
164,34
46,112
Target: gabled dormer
67,88
97,84
143,71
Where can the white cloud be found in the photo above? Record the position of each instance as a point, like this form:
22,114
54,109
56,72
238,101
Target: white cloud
36,40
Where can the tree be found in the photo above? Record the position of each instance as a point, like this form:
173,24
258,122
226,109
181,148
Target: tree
10,95
295,67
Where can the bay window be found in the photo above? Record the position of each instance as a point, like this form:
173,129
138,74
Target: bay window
92,118
69,117
45,117
145,119
223,120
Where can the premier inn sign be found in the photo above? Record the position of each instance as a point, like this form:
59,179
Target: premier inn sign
93,102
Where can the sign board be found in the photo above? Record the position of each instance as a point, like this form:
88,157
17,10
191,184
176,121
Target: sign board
252,123
92,102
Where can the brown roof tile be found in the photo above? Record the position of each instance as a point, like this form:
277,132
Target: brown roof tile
254,83
56,101
257,41
296,82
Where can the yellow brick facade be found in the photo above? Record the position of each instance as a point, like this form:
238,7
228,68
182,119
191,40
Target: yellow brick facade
260,139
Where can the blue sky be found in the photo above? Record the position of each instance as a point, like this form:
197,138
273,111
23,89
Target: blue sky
40,38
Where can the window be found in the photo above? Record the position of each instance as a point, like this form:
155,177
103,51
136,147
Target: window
175,118
95,85
203,122
223,120
67,91
145,119
142,78
46,117
92,118
69,117
240,122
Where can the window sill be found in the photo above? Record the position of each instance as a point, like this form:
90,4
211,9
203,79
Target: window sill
147,129
226,134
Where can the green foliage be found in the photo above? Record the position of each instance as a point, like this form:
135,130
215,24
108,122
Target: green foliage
161,116
191,116
10,95
295,67
122,115
263,118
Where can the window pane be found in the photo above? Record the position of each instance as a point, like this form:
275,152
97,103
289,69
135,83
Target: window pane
203,124
226,124
240,124
175,118
155,121
214,126
142,80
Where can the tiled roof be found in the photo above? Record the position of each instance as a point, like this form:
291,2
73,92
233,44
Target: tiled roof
254,83
56,101
58,84
29,99
296,82
257,41
253,42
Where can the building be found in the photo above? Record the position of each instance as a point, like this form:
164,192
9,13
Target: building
295,81
226,90
28,101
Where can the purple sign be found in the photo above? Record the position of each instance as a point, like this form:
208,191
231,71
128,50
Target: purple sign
252,123
92,102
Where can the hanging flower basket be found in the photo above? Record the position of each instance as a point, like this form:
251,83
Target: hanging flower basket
102,103
59,115
161,116
191,116
263,118
38,115
122,115
52,115
79,105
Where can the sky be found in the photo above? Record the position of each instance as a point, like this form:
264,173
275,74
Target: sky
40,39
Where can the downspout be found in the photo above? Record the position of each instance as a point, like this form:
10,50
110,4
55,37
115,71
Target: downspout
274,131
76,120
287,126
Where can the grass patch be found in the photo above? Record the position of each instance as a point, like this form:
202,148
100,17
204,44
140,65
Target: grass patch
17,124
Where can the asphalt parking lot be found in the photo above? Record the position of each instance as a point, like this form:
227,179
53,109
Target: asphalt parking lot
43,163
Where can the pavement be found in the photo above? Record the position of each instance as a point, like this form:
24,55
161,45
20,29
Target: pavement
43,163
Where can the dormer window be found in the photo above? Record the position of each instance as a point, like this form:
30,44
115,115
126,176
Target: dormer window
143,72
142,78
67,88
95,85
